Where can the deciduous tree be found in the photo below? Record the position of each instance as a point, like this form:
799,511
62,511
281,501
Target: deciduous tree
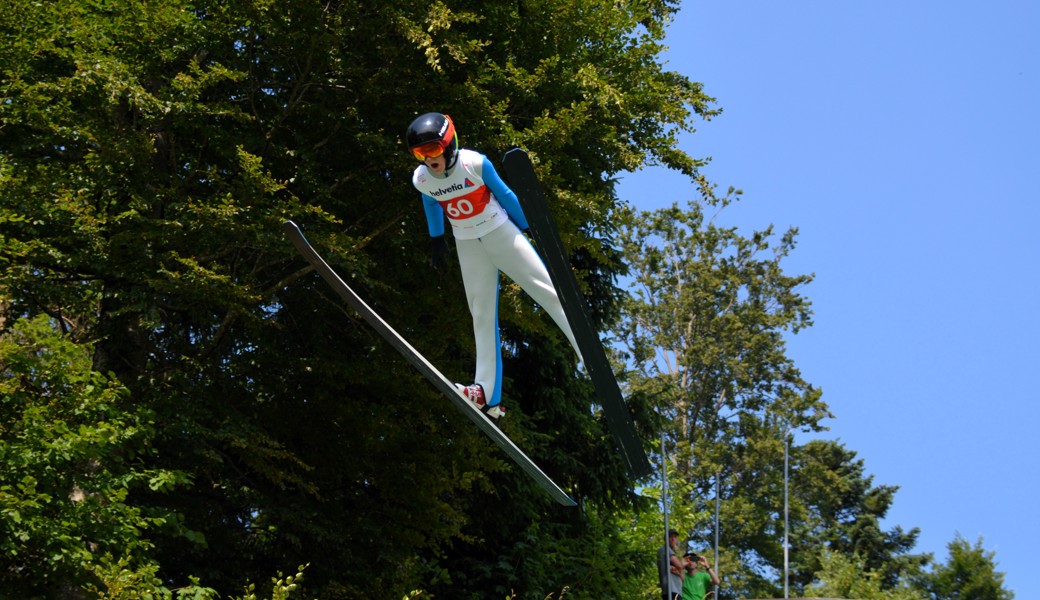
75,447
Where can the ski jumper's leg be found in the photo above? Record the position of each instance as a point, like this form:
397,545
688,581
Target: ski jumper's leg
480,278
513,254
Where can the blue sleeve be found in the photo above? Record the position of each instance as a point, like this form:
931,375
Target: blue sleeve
434,216
505,196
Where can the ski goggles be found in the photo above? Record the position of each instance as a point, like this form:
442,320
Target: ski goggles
435,149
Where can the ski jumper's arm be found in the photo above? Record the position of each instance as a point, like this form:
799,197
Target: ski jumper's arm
434,216
505,196
435,224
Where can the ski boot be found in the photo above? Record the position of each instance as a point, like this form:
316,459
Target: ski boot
475,394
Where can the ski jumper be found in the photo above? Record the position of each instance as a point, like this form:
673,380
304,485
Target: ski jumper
486,220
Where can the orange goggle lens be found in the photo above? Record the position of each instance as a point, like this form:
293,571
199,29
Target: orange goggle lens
430,150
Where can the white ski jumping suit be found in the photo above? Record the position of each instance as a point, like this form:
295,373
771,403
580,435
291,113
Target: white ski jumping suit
486,220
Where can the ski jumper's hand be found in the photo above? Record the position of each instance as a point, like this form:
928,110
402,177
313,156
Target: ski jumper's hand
438,252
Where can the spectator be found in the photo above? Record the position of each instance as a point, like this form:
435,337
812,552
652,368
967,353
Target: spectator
670,569
695,583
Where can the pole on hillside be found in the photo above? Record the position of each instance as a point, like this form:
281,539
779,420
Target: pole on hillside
787,437
664,495
718,490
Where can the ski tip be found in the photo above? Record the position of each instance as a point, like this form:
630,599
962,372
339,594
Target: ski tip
290,226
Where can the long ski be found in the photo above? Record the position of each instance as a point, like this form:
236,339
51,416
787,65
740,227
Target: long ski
418,361
522,179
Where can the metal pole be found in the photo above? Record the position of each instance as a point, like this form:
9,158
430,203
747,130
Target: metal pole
787,442
718,492
664,496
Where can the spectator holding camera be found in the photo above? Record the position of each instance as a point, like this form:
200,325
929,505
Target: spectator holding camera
698,575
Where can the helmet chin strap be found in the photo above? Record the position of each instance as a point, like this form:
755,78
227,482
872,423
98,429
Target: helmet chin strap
454,154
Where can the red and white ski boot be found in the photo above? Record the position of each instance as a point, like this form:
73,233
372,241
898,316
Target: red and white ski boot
475,394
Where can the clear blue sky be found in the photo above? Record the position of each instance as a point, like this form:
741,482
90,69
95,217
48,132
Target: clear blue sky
903,140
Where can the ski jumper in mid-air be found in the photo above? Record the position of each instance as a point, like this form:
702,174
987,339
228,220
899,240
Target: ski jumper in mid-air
487,223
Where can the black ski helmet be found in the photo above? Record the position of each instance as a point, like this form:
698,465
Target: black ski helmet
430,131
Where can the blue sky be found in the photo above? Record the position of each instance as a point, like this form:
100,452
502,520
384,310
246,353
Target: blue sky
903,140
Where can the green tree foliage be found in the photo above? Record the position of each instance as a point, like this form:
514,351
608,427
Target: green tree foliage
844,577
703,332
704,329
969,572
74,448
837,507
149,152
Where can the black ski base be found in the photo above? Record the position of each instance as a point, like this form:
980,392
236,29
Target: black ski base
522,179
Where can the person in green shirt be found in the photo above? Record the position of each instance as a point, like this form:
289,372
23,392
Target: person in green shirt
695,583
